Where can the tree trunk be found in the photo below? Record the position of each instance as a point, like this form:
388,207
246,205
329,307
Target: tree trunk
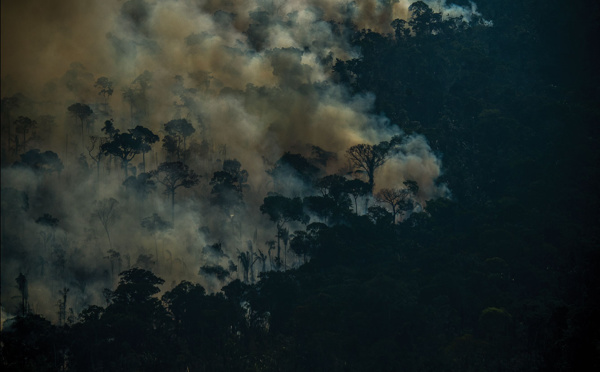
125,164
81,131
173,206
108,235
156,248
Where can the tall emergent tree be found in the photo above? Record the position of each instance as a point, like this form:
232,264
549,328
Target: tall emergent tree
178,130
146,138
356,188
23,289
174,175
106,212
95,152
106,89
24,126
125,147
367,158
80,111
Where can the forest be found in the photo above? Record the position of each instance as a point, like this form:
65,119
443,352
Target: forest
339,185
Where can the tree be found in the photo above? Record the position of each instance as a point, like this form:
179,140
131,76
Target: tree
123,146
136,286
130,96
174,175
80,111
155,224
13,202
44,162
300,244
96,154
8,104
140,186
217,270
110,130
333,188
24,291
24,126
397,199
178,130
356,188
367,158
49,224
293,173
145,137
135,95
114,257
229,185
262,258
62,306
247,261
106,212
106,89
423,20
143,82
282,210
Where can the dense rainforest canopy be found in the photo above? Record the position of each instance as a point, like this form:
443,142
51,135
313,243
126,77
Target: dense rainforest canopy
491,265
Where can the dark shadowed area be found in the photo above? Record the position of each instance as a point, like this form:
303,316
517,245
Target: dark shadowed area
368,185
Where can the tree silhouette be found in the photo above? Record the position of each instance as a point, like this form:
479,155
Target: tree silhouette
106,212
292,173
229,185
110,130
13,202
106,89
62,306
123,146
367,158
282,210
146,138
143,82
423,20
140,185
95,153
178,130
130,96
174,175
8,104
356,188
80,111
155,224
45,162
114,257
49,224
246,260
217,270
24,126
24,291
397,199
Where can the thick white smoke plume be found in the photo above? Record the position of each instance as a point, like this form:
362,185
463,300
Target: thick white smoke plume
253,78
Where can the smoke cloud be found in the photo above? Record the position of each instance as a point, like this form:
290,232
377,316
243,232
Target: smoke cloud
253,77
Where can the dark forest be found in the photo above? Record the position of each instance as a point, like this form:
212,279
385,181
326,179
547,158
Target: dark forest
334,185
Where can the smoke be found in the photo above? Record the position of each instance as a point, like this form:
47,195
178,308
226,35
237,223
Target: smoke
253,77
